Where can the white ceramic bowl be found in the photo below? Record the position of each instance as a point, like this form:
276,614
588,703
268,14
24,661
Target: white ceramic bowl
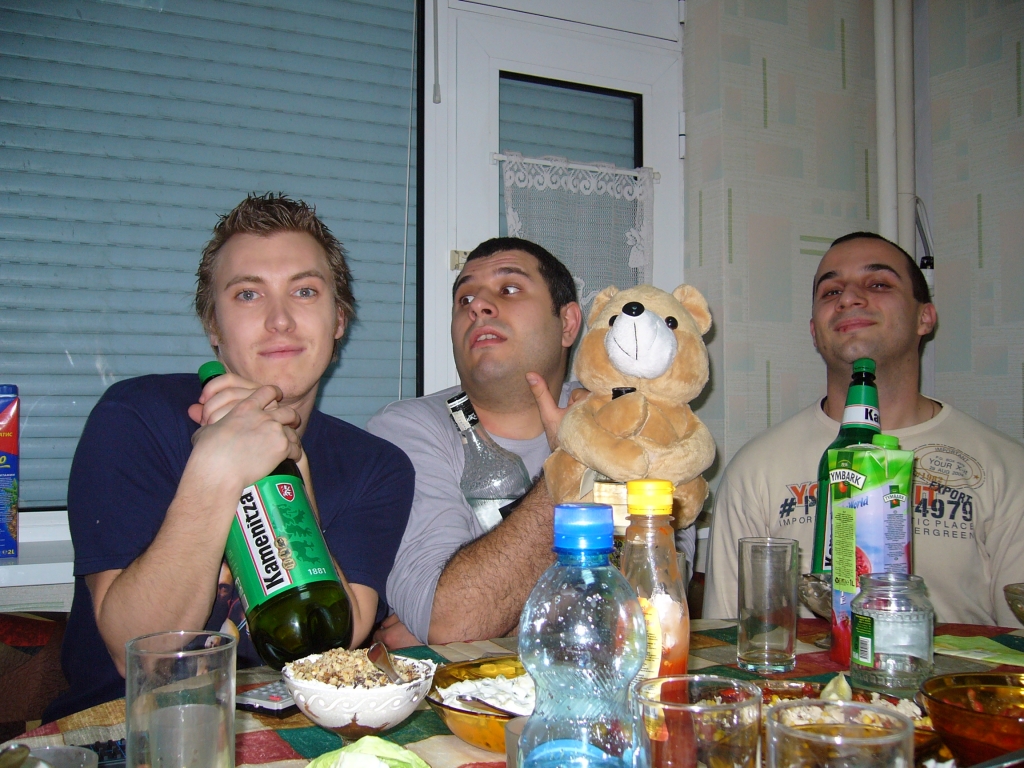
354,712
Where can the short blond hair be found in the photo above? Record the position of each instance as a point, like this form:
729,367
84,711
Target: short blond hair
265,215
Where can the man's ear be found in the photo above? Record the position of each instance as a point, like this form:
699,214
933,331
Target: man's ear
572,318
926,319
814,339
339,331
213,336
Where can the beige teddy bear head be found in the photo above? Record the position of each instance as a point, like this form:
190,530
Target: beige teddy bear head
646,338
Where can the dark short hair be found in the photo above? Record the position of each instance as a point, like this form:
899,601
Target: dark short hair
917,281
556,276
263,216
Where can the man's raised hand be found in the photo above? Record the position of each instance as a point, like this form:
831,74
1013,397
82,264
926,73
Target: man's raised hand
550,414
250,438
220,395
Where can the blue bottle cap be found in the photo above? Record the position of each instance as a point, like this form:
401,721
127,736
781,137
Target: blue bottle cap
584,527
8,389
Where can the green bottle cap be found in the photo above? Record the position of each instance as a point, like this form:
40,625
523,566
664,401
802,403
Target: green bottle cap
886,441
864,364
210,370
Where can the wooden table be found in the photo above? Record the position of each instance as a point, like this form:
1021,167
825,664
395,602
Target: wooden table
290,743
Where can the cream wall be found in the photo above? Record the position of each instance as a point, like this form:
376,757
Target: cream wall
974,157
781,160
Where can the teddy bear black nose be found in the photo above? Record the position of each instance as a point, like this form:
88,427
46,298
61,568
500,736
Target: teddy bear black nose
633,309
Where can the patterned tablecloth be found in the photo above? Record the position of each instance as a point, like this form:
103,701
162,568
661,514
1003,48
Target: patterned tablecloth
291,742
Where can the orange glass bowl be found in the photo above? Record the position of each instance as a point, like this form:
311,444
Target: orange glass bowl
480,729
978,716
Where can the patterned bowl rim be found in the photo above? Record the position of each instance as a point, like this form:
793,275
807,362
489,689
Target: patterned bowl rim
425,666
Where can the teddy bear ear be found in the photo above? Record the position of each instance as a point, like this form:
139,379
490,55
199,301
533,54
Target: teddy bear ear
696,305
599,303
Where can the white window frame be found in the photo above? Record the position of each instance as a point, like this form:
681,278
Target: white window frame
460,205
653,18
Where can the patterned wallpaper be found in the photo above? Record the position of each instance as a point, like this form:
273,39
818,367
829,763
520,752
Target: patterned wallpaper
781,160
977,205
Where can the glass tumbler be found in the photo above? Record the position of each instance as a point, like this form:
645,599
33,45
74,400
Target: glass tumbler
767,603
180,700
810,733
694,720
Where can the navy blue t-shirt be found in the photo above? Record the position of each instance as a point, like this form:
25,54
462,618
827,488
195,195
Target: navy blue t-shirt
126,471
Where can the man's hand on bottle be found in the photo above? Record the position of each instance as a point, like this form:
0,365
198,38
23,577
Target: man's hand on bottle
550,414
244,437
220,395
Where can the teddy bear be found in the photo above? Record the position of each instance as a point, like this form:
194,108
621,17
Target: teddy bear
649,340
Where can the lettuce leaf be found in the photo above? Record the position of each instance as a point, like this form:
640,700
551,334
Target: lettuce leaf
369,752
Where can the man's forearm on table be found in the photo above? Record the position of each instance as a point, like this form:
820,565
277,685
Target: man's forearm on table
481,591
169,586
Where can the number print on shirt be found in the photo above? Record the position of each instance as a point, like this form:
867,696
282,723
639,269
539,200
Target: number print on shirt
943,511
944,479
800,507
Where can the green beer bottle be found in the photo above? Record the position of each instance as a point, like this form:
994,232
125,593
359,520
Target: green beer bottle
860,423
294,602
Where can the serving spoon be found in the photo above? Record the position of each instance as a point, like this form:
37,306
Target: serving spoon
476,701
13,756
381,659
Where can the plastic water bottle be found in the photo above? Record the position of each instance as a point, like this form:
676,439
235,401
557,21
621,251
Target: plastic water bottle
582,639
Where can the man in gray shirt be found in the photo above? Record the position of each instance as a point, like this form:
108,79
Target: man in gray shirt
514,319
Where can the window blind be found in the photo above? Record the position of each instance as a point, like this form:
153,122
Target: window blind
128,127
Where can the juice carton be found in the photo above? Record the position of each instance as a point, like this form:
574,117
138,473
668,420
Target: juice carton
871,524
8,470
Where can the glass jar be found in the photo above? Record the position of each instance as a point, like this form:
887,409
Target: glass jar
893,621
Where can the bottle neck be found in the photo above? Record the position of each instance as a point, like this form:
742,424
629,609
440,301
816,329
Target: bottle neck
462,413
650,523
862,394
860,415
287,467
860,431
582,558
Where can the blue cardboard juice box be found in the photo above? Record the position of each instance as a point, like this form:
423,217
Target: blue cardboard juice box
8,470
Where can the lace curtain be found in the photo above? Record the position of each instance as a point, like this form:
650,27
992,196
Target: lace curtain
596,218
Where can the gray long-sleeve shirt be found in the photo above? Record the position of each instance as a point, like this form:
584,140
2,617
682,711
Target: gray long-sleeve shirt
441,520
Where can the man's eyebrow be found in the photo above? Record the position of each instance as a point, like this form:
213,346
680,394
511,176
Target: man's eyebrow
308,273
882,268
260,281
244,279
509,270
512,269
462,279
827,276
877,267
